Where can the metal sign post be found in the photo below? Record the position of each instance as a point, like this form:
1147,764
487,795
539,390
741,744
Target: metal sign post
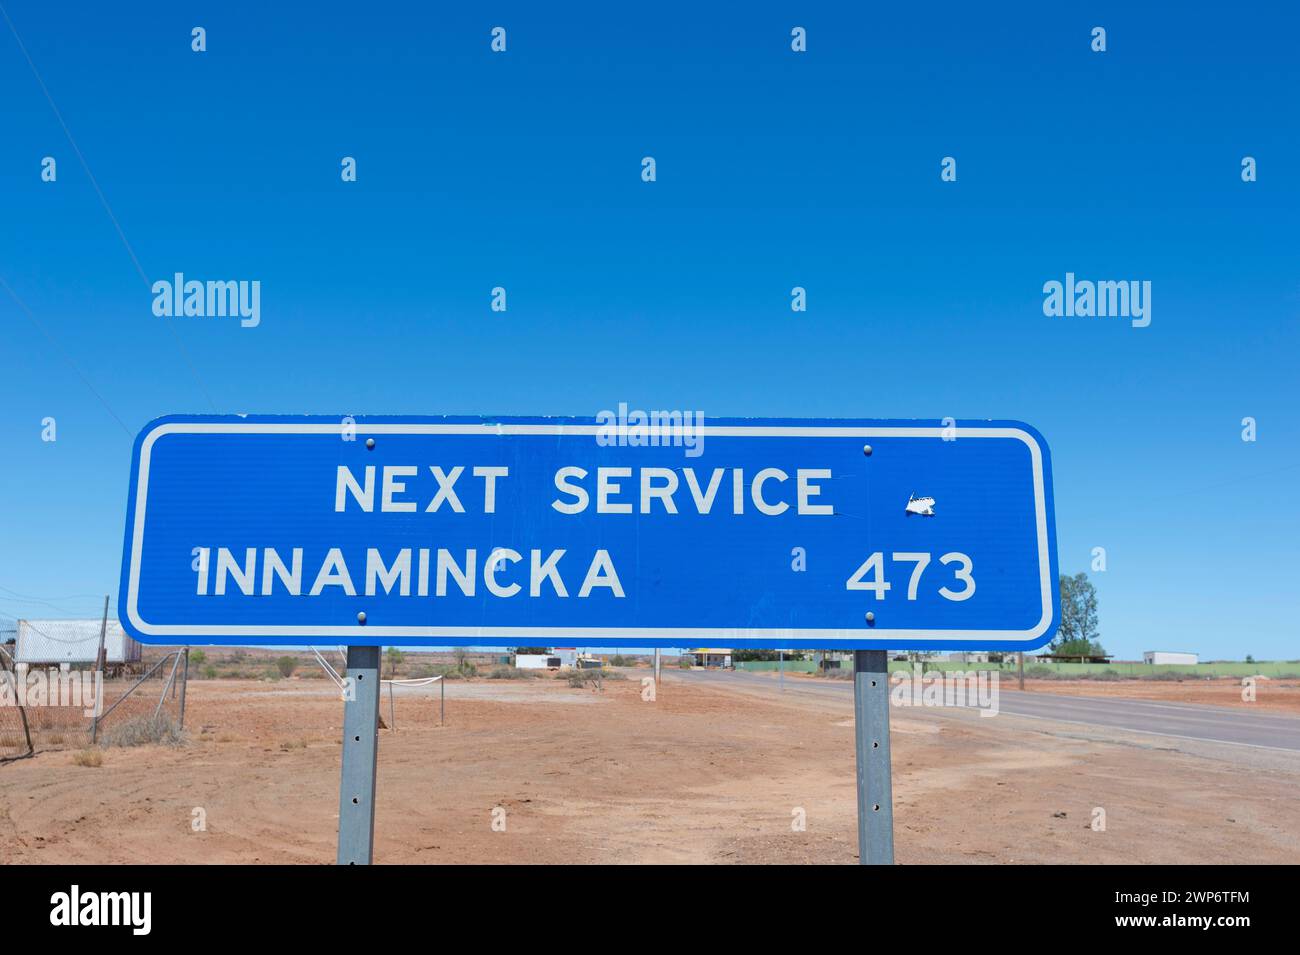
360,752
871,731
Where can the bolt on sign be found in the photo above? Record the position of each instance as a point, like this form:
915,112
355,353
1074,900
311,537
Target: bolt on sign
862,534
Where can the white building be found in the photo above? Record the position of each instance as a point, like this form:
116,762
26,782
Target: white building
710,657
555,658
536,661
1169,656
73,642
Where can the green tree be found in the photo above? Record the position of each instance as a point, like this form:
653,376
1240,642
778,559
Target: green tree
1078,634
464,666
395,659
742,656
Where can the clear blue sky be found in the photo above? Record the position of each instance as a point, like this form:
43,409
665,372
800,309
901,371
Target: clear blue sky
775,169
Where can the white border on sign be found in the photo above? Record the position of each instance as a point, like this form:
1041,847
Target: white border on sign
686,635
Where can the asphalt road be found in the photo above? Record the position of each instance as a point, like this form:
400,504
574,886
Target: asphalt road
1188,721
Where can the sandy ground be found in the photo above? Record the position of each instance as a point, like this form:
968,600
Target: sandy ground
703,774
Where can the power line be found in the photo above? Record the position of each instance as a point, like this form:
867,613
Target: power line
103,200
66,356
43,603
64,597
21,598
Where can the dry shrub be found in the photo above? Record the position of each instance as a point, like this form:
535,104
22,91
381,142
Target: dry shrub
142,730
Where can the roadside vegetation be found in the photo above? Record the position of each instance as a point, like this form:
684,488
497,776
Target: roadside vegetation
588,679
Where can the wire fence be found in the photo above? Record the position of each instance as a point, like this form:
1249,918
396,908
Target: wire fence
45,708
146,709
15,732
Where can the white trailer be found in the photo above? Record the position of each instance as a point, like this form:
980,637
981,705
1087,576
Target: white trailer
1169,656
74,642
536,661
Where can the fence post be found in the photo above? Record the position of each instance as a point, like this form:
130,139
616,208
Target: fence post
162,697
99,665
185,681
22,711
134,686
103,633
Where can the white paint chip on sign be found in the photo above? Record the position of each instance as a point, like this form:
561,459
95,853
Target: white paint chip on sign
920,505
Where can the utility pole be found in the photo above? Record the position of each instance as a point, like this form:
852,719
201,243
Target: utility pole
103,632
656,667
99,666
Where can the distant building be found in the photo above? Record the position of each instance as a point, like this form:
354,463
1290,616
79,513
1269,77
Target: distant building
1170,656
555,658
968,656
710,657
1070,658
834,659
47,642
536,661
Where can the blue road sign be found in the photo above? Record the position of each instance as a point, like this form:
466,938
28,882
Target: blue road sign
628,531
